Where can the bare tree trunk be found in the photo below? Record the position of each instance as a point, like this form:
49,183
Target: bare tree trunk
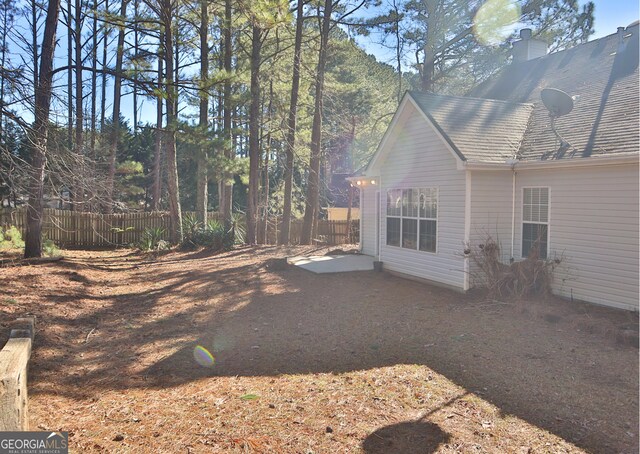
157,156
3,49
33,240
202,178
115,125
313,183
254,132
69,77
170,131
226,196
134,88
291,126
79,187
103,97
34,43
398,36
94,88
267,151
70,33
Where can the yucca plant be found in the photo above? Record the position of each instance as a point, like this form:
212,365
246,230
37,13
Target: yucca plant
190,225
238,231
152,239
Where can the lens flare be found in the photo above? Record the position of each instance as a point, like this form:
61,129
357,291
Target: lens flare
203,356
495,20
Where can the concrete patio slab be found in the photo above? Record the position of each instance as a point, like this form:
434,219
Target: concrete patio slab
333,263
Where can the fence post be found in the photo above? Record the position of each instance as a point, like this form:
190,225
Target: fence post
14,362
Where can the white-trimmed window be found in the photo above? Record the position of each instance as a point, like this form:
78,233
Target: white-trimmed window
412,218
535,221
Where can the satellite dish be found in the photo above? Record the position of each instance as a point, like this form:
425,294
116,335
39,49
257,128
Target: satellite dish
557,102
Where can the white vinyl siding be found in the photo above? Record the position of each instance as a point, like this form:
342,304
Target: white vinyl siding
491,209
593,226
418,158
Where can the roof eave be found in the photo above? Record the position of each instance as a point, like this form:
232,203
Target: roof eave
626,158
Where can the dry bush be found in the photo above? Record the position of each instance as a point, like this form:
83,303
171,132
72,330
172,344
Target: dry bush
517,280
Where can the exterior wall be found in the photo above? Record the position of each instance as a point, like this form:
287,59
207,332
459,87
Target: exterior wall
491,215
491,209
593,225
368,229
418,158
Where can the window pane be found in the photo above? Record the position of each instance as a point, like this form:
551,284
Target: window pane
535,207
535,196
394,199
544,196
410,233
535,213
428,203
544,213
393,231
534,236
410,203
428,231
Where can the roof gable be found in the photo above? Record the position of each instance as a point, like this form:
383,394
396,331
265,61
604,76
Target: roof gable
482,130
407,107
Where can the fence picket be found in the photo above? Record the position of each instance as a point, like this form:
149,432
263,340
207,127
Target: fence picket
77,229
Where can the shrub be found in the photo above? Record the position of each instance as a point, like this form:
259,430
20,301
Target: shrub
190,225
530,276
50,249
211,236
152,240
11,238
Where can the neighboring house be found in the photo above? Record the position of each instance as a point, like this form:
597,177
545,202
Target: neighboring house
452,170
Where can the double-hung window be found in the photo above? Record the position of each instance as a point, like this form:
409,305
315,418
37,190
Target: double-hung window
412,218
535,221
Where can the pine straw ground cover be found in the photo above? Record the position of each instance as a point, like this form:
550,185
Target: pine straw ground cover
355,362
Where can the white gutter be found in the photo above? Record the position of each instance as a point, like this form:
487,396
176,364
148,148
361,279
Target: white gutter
626,158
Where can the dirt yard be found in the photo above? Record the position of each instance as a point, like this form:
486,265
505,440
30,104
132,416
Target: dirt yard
304,363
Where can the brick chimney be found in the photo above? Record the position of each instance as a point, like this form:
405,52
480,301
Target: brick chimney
528,48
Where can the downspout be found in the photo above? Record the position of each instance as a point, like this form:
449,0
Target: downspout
467,228
379,220
513,163
361,210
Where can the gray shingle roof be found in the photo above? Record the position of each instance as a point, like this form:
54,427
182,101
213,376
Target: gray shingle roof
601,75
482,130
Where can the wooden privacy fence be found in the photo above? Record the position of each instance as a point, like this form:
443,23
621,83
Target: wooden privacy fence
329,232
14,362
77,229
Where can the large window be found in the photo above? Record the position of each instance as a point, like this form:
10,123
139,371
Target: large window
412,218
535,221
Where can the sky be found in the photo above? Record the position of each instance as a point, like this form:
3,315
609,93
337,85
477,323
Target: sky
608,16
611,14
